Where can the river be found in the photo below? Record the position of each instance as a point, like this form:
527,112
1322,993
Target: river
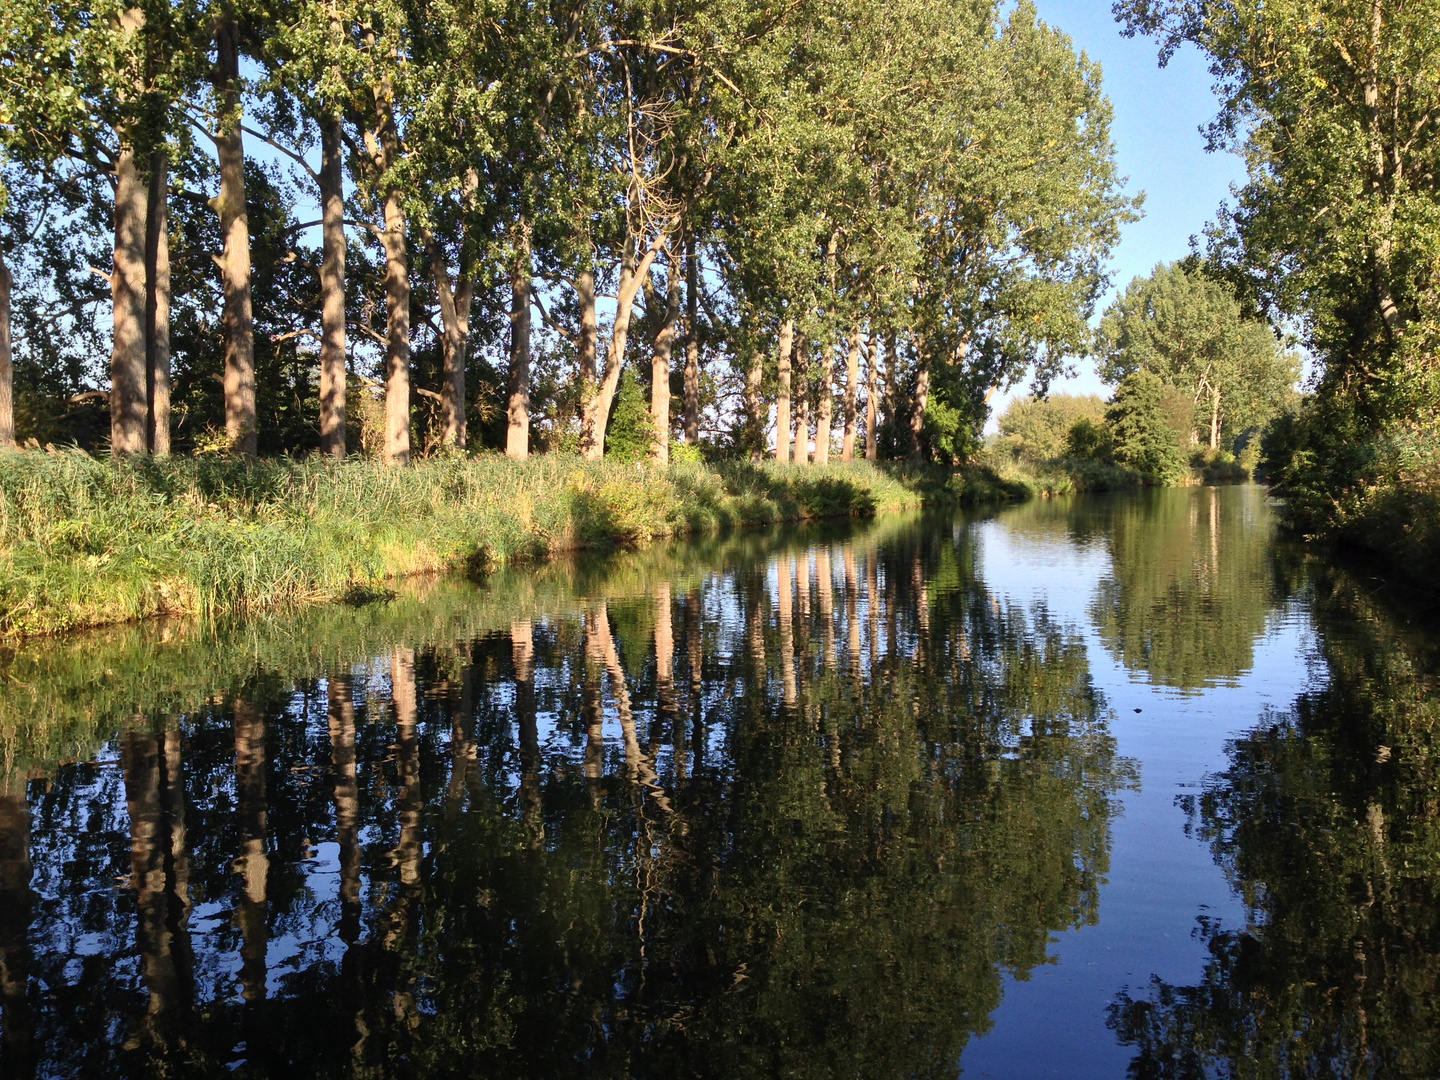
1079,788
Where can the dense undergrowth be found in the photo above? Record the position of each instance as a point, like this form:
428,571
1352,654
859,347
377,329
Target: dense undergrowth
85,541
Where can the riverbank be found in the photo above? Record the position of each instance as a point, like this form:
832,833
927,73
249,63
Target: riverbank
87,542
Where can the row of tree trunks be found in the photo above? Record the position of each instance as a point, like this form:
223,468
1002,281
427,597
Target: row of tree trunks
872,400
157,304
801,402
826,410
397,315
634,270
128,414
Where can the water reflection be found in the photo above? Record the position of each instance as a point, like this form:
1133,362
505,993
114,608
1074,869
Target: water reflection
1327,822
1190,583
768,806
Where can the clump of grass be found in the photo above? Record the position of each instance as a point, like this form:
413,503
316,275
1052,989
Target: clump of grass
85,541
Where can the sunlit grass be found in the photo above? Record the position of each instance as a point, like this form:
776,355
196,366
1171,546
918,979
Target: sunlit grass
85,541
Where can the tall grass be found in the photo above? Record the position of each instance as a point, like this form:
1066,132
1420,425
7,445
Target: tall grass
85,541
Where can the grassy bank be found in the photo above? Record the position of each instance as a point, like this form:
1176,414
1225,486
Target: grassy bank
84,542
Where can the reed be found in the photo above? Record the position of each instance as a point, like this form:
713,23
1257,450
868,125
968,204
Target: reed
86,541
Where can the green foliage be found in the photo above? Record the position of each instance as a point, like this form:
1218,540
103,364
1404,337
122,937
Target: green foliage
1143,439
1190,331
630,437
1089,440
1043,429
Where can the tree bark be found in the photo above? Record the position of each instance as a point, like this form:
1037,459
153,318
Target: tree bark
7,360
128,404
1214,419
397,320
517,410
597,409
755,406
660,365
802,401
240,419
332,291
872,399
827,406
852,395
692,344
782,397
157,304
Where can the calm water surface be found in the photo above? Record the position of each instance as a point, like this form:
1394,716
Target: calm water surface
1088,788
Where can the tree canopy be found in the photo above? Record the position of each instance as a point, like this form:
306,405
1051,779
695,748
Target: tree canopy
400,227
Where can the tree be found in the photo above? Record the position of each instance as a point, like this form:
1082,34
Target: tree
1039,429
1143,440
1190,331
1333,108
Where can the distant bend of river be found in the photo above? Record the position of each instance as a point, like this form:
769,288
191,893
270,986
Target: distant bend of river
1096,787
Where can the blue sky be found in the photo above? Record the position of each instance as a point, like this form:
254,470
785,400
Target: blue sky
1158,113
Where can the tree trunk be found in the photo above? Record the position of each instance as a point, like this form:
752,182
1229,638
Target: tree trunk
332,291
589,335
802,401
397,326
517,410
7,361
660,365
872,399
1214,419
782,397
157,304
240,421
827,406
852,394
128,403
597,409
755,406
692,344
917,411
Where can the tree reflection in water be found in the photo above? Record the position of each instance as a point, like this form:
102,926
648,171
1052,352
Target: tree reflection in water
792,812
1327,822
